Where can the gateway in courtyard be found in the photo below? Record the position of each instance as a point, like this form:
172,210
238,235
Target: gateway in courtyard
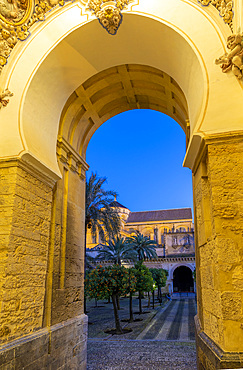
66,68
173,231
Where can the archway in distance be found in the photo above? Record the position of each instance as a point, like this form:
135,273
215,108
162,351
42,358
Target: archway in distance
183,280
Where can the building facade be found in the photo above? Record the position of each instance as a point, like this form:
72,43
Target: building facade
173,231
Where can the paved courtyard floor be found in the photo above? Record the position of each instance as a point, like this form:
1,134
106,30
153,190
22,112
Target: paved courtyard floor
165,338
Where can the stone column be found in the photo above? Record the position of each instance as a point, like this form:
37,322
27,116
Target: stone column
25,215
42,324
68,238
218,201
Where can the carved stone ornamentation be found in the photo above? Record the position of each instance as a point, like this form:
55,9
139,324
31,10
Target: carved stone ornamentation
225,8
108,13
3,95
16,18
233,60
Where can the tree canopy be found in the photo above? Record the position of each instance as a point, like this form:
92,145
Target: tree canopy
143,246
159,276
114,281
116,251
99,215
103,282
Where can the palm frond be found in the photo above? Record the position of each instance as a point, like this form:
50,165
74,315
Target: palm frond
142,245
99,215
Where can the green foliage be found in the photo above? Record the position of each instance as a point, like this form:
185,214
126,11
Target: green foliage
142,245
159,276
103,282
116,251
144,278
99,215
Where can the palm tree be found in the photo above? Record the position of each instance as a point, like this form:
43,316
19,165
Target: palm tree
99,215
143,246
117,251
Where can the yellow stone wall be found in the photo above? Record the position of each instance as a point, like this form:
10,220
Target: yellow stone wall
64,285
218,194
25,213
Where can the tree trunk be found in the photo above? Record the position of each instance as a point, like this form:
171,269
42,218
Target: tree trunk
131,319
140,302
117,320
160,296
118,302
153,299
148,300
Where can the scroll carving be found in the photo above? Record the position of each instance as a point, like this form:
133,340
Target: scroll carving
16,18
3,95
233,60
225,8
108,13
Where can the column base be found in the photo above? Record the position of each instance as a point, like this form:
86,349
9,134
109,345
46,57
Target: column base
62,346
210,356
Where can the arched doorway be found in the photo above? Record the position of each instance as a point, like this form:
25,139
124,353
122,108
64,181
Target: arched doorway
62,94
183,280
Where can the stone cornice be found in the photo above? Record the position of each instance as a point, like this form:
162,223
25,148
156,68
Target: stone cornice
153,260
70,158
202,143
28,167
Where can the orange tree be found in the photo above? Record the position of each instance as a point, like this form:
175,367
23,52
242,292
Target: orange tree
112,281
160,278
145,282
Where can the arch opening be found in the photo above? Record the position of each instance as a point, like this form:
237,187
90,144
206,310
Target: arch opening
116,90
183,280
82,60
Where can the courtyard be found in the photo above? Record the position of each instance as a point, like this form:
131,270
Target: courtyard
164,339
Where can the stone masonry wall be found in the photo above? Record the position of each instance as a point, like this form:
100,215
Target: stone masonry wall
218,193
62,346
25,211
68,286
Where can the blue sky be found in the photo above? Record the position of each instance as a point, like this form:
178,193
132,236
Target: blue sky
141,153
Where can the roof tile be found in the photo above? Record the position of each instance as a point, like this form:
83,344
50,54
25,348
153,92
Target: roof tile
162,215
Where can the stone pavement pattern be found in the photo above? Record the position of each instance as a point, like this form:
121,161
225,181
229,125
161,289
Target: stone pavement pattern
141,354
163,340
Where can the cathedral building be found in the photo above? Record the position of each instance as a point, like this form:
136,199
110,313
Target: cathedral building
173,231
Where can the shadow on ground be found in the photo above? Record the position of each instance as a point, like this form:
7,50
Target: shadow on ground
141,348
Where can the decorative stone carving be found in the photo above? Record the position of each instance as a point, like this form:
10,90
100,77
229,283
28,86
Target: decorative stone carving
16,18
233,60
70,158
3,95
225,8
108,13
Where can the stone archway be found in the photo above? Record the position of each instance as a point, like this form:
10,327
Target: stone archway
183,280
62,81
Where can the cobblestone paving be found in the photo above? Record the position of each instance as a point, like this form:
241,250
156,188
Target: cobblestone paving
163,340
141,354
